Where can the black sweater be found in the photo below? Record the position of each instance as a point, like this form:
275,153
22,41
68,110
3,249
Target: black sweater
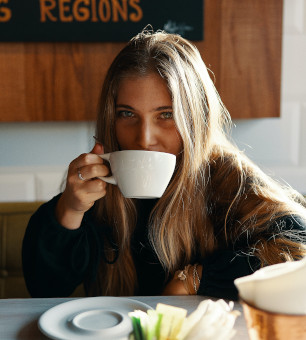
56,260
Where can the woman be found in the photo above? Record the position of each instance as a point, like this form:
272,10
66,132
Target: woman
220,217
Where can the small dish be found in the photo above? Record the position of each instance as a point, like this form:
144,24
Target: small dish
93,318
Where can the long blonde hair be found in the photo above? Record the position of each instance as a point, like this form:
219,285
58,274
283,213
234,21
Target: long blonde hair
214,183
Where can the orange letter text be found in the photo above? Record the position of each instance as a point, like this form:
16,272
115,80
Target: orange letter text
46,6
123,11
104,15
81,13
139,14
5,13
62,10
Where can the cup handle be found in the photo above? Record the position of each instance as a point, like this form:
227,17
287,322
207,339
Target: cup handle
109,179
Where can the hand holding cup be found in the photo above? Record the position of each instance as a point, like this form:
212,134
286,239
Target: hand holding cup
83,187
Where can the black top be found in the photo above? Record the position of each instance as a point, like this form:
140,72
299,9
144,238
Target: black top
56,260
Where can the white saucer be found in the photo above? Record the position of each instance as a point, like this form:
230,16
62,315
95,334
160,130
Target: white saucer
93,318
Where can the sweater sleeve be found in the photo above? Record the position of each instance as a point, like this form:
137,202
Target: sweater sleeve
55,259
222,267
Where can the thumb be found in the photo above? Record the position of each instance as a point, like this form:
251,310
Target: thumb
98,149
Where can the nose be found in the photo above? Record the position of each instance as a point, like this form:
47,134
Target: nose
146,135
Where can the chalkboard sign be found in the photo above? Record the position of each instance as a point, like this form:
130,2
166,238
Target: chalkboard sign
97,20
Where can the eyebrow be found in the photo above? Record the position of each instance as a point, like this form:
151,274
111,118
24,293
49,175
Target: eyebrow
159,108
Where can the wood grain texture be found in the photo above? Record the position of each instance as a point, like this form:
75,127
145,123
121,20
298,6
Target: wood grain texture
62,81
250,59
52,81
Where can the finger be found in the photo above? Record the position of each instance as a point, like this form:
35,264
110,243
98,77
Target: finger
88,158
98,149
92,171
83,160
82,195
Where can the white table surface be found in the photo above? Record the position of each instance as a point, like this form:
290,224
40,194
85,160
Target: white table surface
19,317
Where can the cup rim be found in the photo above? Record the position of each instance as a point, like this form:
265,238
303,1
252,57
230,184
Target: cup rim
160,152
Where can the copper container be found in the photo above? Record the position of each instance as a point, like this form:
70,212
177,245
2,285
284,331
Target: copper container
263,325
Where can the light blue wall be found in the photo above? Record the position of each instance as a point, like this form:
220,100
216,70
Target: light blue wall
43,144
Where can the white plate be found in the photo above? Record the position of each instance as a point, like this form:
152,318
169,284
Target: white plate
93,318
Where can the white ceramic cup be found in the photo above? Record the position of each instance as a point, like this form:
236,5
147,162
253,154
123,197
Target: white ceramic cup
140,174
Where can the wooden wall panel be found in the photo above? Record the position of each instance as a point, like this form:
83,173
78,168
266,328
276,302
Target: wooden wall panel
250,59
52,81
62,81
12,82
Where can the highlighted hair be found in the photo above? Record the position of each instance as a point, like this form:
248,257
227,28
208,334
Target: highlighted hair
214,183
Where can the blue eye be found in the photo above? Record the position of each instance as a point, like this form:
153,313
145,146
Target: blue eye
125,114
167,115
